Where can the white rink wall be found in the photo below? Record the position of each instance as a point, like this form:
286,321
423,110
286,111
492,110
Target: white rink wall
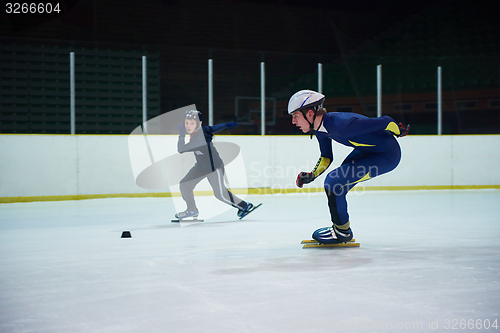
86,165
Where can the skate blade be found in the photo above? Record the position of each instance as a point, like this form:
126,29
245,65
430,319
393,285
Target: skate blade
313,241
187,220
320,245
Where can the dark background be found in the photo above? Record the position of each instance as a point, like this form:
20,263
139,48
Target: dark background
409,38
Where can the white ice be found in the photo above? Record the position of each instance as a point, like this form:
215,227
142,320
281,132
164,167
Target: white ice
428,261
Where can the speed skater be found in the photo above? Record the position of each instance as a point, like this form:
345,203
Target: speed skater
208,165
376,151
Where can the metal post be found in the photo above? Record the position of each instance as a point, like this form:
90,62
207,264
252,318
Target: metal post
320,77
379,90
439,103
210,93
262,99
72,91
144,95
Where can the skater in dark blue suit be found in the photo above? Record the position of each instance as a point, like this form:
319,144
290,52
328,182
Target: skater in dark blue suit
208,165
376,151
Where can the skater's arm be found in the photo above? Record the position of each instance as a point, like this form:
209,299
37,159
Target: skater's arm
307,177
197,141
326,158
181,142
182,147
325,144
219,127
322,164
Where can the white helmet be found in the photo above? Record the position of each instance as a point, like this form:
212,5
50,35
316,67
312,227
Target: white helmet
305,99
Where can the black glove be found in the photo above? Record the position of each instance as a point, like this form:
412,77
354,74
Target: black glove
304,178
403,131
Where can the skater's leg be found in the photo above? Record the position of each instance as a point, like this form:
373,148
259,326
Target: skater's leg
336,189
216,180
187,185
356,168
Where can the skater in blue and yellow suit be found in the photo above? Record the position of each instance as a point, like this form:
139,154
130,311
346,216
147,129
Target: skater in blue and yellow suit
376,151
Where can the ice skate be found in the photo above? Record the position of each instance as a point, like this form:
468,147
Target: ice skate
332,235
247,210
187,215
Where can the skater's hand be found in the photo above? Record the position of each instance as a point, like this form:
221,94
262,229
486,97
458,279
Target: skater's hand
232,125
304,178
182,130
403,131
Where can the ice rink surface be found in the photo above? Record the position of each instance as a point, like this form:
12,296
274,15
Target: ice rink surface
429,261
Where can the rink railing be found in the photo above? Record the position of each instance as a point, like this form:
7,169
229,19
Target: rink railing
250,191
262,93
71,167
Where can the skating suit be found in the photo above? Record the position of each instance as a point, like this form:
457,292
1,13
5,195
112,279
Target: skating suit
376,151
208,164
